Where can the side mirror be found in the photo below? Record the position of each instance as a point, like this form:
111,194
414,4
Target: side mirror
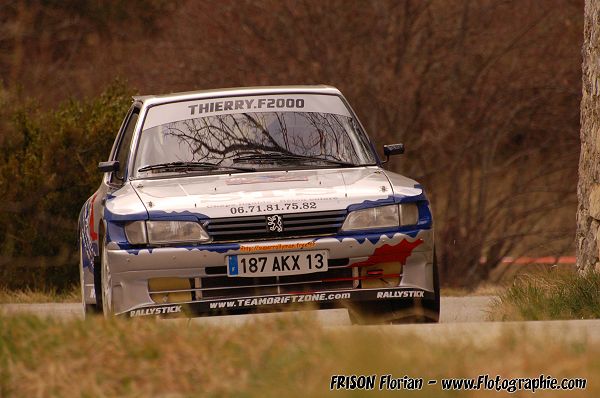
108,167
392,149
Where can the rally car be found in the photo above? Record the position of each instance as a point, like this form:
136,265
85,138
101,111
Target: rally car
255,199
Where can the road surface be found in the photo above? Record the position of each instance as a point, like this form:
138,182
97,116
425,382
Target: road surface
461,318
454,310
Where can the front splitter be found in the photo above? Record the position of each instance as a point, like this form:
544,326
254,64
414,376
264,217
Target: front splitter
281,302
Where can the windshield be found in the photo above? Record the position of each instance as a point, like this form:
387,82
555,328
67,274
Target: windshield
265,138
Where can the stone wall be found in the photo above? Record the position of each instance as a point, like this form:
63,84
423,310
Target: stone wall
588,189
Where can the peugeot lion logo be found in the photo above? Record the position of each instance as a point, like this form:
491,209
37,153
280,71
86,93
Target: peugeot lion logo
274,223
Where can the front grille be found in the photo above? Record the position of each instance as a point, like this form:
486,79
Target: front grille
329,280
294,225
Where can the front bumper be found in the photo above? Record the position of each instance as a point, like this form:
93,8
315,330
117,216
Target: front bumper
131,270
321,300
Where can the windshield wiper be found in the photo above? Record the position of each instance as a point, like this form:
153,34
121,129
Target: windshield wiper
277,156
191,166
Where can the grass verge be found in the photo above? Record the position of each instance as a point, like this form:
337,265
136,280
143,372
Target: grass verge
28,296
554,294
291,357
485,289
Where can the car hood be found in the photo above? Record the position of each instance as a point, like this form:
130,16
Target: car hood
261,193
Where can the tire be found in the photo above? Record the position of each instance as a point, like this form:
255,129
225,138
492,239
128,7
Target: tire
97,286
428,310
419,311
88,309
432,308
105,283
91,310
384,312
356,317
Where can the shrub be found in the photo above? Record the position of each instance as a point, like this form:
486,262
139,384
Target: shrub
47,170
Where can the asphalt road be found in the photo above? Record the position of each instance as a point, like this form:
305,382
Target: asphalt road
454,310
461,318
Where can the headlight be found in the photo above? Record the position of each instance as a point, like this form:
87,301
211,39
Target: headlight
382,217
375,217
160,232
409,214
136,232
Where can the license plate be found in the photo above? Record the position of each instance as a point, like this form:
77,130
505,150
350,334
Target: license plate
277,264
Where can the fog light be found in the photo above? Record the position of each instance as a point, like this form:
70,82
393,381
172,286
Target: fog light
166,284
381,275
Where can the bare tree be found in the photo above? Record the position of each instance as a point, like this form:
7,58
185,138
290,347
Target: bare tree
484,94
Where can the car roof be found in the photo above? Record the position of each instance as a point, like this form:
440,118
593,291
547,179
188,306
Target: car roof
232,92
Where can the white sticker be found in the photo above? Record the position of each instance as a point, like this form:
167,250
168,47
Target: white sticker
173,112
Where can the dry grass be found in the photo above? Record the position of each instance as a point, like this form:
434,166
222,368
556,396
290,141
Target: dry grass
483,289
552,294
291,357
29,296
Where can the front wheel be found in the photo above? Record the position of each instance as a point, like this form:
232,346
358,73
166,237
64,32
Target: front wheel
88,309
393,312
106,283
432,307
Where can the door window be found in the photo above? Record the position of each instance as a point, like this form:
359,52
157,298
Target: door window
122,152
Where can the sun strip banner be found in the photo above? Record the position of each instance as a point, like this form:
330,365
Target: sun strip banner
174,112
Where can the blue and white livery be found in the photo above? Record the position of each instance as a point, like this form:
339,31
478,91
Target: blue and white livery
255,199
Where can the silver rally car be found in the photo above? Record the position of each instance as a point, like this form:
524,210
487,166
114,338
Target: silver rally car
253,200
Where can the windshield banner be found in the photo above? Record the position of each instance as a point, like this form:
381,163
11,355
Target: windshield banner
168,113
